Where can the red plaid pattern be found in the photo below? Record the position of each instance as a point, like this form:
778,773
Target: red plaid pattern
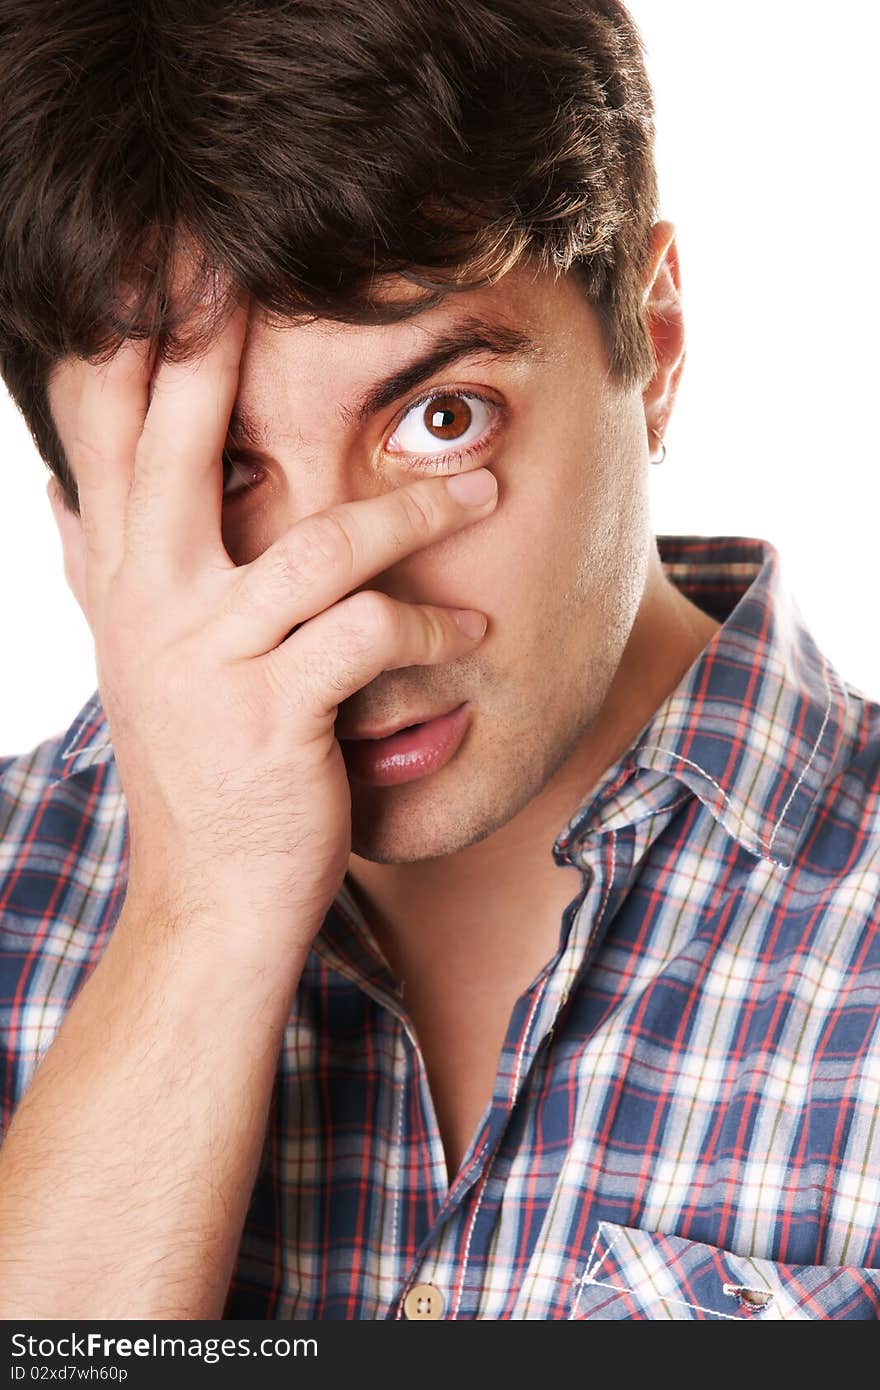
685,1116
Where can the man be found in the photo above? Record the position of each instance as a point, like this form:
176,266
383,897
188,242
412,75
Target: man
561,1004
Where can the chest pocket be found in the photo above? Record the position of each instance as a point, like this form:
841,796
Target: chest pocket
644,1274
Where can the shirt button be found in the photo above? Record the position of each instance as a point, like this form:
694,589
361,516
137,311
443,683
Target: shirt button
755,1298
422,1302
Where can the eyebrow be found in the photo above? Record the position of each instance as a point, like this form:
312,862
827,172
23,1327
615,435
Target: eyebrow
465,338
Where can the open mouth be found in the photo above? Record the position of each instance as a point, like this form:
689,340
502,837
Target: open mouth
409,753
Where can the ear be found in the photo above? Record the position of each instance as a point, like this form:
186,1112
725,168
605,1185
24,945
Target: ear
73,543
662,300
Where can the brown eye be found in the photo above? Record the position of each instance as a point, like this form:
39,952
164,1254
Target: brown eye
464,420
239,476
447,417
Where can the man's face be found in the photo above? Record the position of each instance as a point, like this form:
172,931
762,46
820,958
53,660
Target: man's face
559,567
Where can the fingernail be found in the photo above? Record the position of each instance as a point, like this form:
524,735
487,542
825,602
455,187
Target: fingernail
473,489
472,624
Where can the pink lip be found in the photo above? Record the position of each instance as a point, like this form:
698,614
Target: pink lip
386,733
408,754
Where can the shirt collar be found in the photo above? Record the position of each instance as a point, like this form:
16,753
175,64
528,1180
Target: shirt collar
86,743
757,725
755,728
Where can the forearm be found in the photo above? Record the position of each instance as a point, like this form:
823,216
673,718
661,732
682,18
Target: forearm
127,1170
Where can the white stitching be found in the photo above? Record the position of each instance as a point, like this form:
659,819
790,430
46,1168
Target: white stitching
522,1047
594,1269
87,714
590,1267
805,768
595,1243
658,748
762,848
476,1158
462,1177
92,751
579,1286
76,733
649,815
467,1247
399,1157
664,810
697,1307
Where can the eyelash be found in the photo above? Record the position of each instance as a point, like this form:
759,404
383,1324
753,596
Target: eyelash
422,462
426,461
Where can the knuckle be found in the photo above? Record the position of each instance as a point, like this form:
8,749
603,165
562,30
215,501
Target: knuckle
150,441
437,629
343,674
372,614
157,451
316,545
88,456
419,512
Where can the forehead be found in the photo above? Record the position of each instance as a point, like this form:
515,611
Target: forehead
551,310
285,363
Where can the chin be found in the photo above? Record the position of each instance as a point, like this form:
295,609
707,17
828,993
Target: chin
409,839
433,818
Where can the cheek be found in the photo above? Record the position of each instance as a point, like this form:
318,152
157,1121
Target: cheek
612,560
542,534
564,559
519,571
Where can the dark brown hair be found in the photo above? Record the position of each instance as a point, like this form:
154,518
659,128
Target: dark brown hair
305,149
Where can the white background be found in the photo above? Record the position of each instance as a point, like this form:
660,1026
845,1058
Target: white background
767,135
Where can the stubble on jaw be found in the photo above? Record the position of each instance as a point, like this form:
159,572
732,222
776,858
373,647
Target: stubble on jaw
506,763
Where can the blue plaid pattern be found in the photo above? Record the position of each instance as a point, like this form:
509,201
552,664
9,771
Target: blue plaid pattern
686,1115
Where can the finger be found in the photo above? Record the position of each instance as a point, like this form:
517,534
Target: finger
342,650
99,413
327,555
174,511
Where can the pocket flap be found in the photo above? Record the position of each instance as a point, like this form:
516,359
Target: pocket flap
645,1274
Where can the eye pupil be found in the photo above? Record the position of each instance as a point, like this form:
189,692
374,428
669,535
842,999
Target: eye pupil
447,416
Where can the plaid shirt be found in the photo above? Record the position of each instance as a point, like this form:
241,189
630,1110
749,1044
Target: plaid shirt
686,1115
